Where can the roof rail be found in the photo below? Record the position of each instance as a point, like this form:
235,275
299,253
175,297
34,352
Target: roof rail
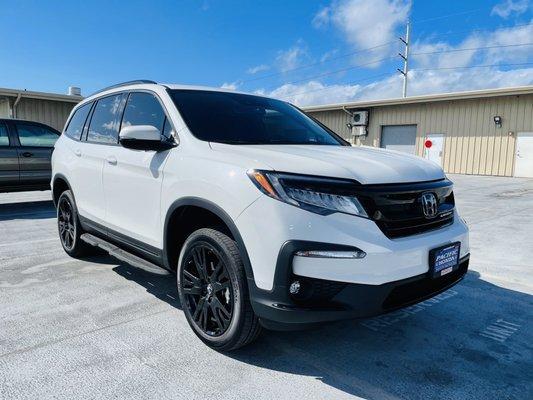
134,82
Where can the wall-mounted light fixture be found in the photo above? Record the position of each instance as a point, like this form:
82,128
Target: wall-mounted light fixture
498,121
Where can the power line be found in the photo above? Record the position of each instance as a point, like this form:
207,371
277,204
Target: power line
390,58
449,15
334,72
316,63
473,49
472,66
332,86
478,30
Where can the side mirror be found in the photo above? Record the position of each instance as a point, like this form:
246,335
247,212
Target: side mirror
142,137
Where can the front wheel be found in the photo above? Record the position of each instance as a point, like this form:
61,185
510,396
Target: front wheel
213,291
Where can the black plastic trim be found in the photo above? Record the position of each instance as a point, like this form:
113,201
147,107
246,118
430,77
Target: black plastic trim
147,251
277,310
219,212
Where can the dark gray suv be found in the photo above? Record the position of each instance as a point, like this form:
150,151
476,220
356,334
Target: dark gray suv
25,151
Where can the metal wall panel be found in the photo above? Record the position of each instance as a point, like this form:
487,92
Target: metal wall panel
473,143
53,113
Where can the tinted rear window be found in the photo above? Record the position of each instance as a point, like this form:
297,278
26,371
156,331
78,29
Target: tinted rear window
75,126
245,119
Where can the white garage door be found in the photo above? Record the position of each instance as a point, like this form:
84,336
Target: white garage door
524,155
399,137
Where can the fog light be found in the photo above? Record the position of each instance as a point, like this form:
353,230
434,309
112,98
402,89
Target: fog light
331,254
295,287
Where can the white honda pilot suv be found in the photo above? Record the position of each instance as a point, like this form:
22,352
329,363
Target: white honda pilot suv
268,218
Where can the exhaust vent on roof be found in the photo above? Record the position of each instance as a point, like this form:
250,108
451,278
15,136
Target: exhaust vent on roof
74,91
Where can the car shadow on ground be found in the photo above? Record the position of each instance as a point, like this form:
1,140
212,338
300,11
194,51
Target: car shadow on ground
41,209
158,282
441,348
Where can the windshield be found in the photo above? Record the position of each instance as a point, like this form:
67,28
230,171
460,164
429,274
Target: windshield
245,119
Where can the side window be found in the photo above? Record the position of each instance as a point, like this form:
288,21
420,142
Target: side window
36,135
4,138
143,109
105,120
76,123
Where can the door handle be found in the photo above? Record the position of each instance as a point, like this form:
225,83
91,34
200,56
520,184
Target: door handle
77,152
27,154
111,160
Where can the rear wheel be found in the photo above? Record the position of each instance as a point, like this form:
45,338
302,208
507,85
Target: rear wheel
69,226
213,291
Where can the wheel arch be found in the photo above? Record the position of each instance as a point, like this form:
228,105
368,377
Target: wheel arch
59,185
174,211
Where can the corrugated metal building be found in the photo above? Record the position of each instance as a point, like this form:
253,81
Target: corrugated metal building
463,128
49,108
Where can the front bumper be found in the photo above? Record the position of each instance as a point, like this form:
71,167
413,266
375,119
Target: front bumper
278,310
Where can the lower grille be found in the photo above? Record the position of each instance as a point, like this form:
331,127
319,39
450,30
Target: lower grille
316,291
419,290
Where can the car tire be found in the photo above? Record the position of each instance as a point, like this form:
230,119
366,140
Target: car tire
213,291
69,227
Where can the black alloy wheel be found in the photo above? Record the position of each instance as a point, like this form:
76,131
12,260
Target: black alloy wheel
213,290
69,227
207,289
66,223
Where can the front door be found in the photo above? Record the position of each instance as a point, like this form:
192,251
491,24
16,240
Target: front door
36,143
524,155
434,147
133,178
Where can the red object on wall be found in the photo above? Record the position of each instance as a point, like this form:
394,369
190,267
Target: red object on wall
428,143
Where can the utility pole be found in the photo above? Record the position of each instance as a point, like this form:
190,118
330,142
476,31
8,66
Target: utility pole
405,58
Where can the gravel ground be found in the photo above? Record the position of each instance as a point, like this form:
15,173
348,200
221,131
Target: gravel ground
101,329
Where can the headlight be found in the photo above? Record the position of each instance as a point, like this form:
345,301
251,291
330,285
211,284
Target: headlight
318,195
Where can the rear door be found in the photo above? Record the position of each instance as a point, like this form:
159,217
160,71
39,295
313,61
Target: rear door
97,142
9,162
35,146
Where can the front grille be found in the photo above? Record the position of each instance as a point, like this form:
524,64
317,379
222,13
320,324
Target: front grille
397,209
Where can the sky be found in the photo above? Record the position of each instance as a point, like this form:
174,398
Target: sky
307,52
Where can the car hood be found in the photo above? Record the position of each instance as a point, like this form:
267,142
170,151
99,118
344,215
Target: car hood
367,165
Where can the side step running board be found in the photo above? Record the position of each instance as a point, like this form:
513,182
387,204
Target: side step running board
119,253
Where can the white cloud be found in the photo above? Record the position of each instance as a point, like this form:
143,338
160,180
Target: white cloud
257,68
321,18
230,85
291,58
366,23
420,82
486,53
508,7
